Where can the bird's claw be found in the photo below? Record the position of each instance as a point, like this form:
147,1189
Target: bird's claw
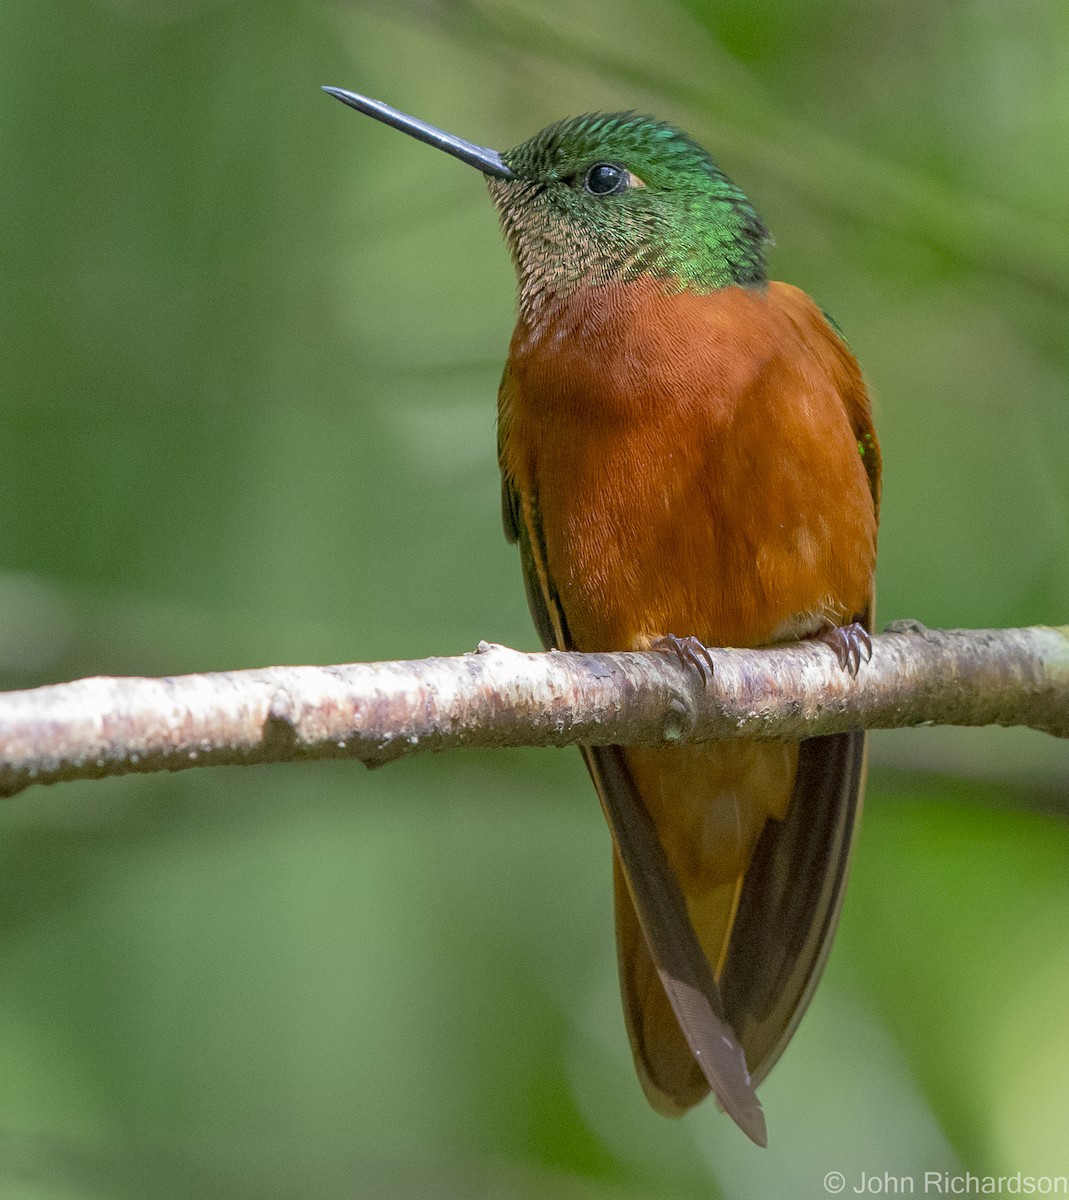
689,651
851,643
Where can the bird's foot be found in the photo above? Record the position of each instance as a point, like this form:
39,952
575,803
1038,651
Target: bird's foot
851,643
689,651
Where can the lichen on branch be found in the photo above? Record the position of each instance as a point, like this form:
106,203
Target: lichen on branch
377,712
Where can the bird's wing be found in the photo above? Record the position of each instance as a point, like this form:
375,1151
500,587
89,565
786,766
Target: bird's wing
791,897
793,890
660,912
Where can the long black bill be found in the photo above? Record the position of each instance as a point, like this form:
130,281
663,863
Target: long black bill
488,161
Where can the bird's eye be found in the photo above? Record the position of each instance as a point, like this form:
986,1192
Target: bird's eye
607,179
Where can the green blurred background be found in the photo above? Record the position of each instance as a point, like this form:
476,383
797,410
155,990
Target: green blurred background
250,345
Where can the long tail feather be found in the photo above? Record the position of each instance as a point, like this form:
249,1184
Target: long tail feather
683,969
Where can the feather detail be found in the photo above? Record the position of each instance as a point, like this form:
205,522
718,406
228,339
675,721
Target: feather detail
702,465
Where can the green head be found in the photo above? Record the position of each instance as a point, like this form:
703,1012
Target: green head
607,197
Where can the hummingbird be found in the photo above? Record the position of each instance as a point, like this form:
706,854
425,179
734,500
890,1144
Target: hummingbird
688,461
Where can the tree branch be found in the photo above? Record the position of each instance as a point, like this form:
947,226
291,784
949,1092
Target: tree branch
377,712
